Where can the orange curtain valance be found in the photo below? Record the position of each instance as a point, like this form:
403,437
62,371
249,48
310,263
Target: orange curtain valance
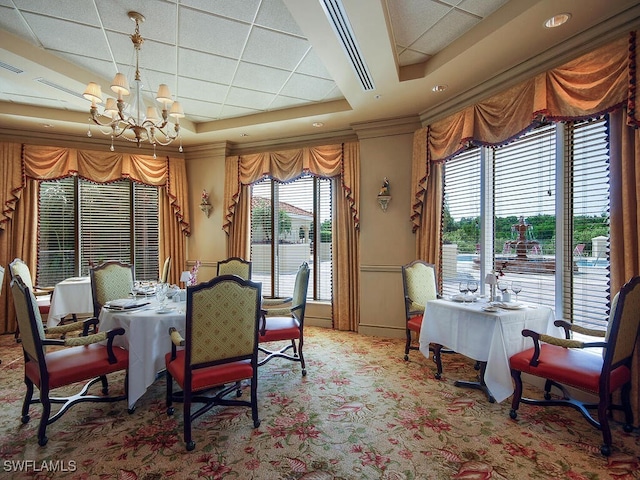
595,83
48,163
325,161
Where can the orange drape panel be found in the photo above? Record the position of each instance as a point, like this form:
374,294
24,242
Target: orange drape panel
23,163
625,221
341,160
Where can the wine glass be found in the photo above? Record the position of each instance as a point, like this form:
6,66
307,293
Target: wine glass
133,289
464,288
503,286
472,285
516,287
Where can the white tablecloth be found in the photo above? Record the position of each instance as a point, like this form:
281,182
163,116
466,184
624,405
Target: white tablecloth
72,295
147,339
484,336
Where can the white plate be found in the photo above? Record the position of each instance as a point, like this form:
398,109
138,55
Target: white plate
511,305
491,309
75,279
164,310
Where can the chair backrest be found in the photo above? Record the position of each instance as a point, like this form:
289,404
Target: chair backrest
1,278
222,321
235,266
300,287
166,269
29,320
623,327
19,268
110,280
579,250
419,285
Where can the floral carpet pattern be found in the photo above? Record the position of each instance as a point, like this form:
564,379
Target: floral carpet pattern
361,412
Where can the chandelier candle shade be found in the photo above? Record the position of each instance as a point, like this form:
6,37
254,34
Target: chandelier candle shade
136,127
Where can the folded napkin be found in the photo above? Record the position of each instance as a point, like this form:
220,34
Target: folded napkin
124,304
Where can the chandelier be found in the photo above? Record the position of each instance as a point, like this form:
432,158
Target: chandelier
126,119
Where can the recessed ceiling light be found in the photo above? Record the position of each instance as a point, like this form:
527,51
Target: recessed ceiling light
439,88
47,125
377,97
244,134
318,124
557,20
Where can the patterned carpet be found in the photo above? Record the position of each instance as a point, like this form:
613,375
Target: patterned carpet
361,413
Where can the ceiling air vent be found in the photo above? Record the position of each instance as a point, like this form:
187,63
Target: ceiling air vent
46,82
11,68
342,28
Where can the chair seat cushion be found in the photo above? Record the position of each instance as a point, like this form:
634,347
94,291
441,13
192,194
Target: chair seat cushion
77,364
280,328
415,323
207,377
571,367
44,304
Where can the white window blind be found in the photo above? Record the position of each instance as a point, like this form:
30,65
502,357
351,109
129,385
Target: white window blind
82,222
588,292
284,237
524,175
105,222
461,220
57,233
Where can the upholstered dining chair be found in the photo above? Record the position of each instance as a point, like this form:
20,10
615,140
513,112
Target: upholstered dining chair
565,363
235,266
166,270
86,359
42,294
110,280
419,285
283,320
220,348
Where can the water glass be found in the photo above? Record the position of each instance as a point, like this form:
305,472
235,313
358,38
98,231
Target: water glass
161,294
516,287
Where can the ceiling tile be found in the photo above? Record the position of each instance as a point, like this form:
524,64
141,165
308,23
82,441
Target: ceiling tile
411,18
482,8
275,15
310,88
198,89
241,97
261,78
274,49
245,12
204,66
454,24
312,65
211,34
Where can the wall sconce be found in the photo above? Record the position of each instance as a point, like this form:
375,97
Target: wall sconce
205,204
383,196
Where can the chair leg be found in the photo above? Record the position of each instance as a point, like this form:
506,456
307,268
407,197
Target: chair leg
302,363
186,409
105,384
626,407
603,418
169,399
517,393
27,400
44,420
407,346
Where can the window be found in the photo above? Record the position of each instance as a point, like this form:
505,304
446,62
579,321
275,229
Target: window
536,208
82,222
279,247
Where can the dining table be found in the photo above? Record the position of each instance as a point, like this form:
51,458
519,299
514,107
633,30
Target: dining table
486,332
70,296
146,337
